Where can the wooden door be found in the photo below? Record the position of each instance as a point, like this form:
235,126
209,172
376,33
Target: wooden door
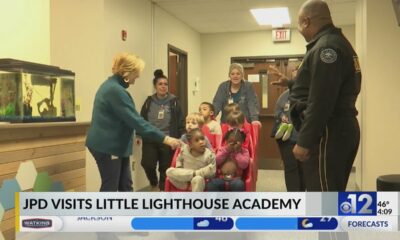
178,75
268,151
172,73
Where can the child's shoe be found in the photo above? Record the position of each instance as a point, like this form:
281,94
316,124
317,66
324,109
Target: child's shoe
281,130
288,132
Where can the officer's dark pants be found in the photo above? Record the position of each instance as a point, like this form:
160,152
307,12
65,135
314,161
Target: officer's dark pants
153,153
115,173
294,178
330,163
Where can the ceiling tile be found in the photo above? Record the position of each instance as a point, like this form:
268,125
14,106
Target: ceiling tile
212,16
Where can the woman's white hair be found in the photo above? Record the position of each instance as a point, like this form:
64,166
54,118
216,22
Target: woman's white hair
125,63
238,67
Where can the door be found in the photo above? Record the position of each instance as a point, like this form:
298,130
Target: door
172,73
177,75
255,69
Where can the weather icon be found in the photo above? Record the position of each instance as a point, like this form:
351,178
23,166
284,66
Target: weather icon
306,224
204,223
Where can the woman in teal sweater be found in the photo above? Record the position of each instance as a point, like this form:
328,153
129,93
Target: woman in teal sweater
114,122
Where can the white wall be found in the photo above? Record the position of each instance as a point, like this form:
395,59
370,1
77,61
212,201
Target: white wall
169,30
25,30
136,18
360,46
380,54
78,44
217,50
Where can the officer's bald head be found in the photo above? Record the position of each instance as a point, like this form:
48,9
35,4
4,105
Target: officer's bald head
313,15
318,10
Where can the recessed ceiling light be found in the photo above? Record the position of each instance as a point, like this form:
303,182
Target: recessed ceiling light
276,17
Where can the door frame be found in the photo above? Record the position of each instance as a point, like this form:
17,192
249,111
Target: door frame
258,59
183,76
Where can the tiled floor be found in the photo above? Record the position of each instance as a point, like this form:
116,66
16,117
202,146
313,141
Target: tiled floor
274,181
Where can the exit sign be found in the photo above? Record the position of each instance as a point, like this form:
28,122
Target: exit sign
281,35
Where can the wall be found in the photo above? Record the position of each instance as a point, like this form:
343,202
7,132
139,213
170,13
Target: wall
360,39
380,60
136,18
25,30
217,50
169,30
77,43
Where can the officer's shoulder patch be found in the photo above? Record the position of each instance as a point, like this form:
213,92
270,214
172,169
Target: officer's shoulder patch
328,55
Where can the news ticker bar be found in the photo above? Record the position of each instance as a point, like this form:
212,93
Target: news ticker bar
195,224
208,204
119,212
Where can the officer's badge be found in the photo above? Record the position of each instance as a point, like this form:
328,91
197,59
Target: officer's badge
328,55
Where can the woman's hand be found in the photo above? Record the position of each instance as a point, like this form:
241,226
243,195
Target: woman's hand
300,153
284,119
172,142
282,79
230,147
234,146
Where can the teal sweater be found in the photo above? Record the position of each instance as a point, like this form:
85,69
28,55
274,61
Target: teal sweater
115,119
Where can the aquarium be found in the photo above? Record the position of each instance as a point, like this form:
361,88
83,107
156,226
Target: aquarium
31,92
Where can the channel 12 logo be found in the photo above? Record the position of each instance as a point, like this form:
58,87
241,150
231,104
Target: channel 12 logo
357,204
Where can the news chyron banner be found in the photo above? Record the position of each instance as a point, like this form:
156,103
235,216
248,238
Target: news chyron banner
226,211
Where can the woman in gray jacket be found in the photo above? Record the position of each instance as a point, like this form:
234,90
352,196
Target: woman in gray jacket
237,90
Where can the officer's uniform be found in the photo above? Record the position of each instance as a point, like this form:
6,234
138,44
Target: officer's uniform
323,109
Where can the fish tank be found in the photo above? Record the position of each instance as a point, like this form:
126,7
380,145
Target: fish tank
32,92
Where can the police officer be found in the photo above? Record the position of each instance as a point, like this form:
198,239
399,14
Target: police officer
323,101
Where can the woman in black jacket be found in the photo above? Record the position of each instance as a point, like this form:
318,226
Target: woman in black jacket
162,109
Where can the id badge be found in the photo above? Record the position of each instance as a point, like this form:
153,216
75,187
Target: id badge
161,114
230,100
286,107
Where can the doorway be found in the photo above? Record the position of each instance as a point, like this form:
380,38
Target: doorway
255,70
178,75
